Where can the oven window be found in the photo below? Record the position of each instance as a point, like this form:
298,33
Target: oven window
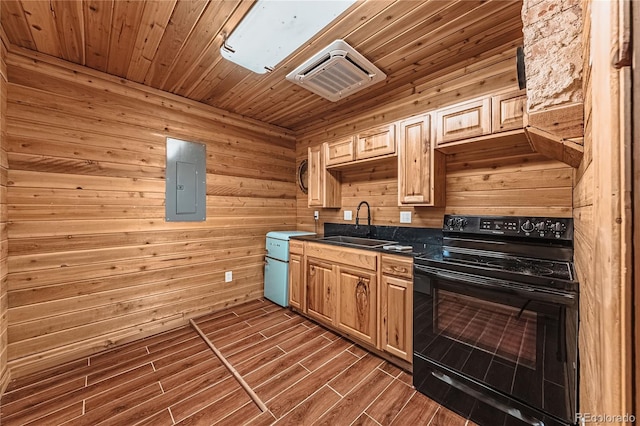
500,330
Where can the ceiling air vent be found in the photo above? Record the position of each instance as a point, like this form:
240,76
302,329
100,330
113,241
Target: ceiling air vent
337,71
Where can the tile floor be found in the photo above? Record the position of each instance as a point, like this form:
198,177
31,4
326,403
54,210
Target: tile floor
304,373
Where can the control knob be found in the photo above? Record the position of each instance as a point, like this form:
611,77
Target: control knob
451,222
559,227
527,226
541,226
461,223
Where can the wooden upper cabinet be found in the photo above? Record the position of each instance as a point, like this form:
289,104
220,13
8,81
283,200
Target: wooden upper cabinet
357,306
324,186
340,151
315,182
508,111
376,142
463,121
421,170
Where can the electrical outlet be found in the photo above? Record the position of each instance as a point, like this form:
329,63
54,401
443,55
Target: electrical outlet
316,215
347,214
228,276
405,217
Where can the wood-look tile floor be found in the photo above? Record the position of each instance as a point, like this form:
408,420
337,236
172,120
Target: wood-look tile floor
304,373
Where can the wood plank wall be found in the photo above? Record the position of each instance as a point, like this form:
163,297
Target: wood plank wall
602,225
4,242
509,181
92,263
584,235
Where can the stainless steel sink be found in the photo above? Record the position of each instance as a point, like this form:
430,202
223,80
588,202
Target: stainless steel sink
357,241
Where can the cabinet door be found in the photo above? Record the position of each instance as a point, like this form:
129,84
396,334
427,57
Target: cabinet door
396,309
324,186
296,288
356,313
341,151
508,111
315,176
375,142
415,156
321,287
463,121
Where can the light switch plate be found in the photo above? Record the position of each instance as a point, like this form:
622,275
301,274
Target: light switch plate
405,217
316,215
228,276
348,214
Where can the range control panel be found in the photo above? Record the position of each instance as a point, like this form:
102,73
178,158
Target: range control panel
531,227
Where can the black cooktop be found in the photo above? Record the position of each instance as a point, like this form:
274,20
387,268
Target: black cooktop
531,250
544,273
538,267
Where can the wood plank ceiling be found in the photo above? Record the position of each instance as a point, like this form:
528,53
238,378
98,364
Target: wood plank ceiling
173,45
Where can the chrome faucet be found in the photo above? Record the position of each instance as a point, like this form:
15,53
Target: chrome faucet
368,217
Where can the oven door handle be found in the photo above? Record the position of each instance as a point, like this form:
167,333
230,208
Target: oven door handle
530,292
514,412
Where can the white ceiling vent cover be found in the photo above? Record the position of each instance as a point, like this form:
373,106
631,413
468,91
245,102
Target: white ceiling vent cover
336,71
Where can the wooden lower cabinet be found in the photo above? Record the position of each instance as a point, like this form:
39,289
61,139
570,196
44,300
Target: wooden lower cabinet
321,290
396,316
296,281
356,313
369,300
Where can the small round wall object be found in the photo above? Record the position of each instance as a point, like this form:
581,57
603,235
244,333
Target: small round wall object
302,176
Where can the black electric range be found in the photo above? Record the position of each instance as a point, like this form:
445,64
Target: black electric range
496,320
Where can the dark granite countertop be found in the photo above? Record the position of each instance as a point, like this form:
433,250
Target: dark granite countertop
423,241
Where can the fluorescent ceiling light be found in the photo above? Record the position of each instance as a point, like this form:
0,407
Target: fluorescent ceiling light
273,29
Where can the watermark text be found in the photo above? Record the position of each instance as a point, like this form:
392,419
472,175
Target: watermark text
584,418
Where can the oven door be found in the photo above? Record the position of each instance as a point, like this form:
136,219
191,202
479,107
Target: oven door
482,342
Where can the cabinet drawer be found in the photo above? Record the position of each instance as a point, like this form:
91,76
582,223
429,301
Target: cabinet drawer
296,247
398,266
339,152
347,256
463,121
376,142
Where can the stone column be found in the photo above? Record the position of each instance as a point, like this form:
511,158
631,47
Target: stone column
553,52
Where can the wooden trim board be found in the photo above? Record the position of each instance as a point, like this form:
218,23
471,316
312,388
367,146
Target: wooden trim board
551,146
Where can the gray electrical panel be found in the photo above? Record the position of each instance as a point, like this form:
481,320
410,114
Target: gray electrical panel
186,183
